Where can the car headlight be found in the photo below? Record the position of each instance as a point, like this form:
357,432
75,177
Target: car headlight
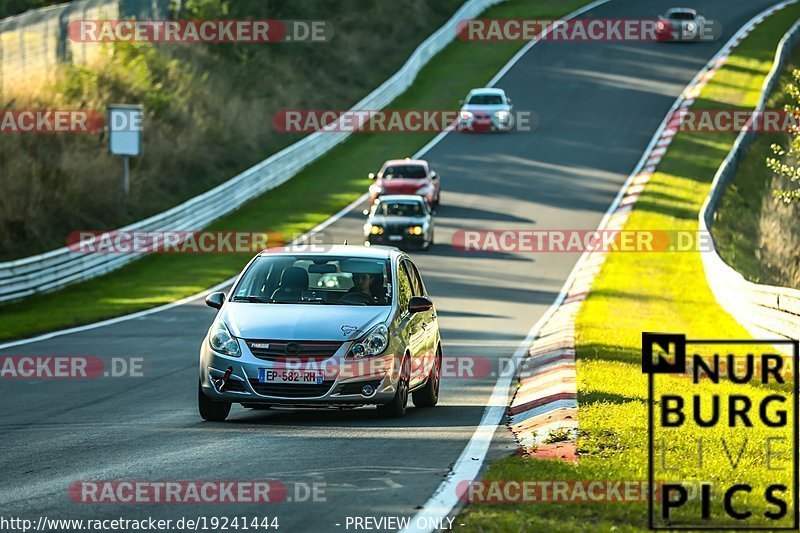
690,26
376,230
375,189
415,230
465,115
221,340
373,343
502,115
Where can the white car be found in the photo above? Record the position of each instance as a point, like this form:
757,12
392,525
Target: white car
486,109
682,24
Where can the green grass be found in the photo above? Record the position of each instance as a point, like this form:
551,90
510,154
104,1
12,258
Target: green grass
738,237
308,199
638,292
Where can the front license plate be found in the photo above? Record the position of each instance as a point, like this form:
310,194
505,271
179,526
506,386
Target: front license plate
266,375
395,237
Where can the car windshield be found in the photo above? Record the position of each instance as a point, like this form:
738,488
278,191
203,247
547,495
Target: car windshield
411,172
682,15
399,209
486,99
322,280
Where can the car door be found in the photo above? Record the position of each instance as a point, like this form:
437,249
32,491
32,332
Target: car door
417,334
431,320
427,323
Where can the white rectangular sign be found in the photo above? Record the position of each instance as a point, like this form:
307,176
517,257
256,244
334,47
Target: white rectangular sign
124,129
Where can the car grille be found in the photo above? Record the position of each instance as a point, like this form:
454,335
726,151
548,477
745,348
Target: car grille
395,229
282,350
291,390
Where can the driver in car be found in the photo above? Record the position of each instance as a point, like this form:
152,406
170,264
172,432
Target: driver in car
361,289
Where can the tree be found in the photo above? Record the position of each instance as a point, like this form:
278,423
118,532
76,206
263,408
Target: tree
786,160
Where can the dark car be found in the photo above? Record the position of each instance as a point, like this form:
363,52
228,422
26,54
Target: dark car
399,220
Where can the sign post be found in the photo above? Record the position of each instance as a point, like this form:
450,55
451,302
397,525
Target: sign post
125,137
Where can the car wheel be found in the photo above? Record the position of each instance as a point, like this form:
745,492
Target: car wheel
211,410
397,407
428,396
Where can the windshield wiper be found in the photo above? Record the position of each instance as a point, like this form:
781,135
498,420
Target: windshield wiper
256,300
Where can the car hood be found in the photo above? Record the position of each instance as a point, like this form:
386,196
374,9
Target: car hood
301,322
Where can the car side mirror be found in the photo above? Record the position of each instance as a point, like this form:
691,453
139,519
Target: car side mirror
418,304
434,175
366,212
508,100
371,175
215,299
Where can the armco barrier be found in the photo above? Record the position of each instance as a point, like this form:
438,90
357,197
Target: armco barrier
59,268
764,310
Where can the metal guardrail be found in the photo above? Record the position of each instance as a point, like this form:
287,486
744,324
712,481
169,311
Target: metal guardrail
763,309
59,268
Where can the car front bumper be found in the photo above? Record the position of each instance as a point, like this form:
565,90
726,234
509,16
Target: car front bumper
404,240
490,124
341,387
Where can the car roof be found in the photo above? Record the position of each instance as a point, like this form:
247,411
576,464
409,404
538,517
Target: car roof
487,90
338,250
401,198
406,162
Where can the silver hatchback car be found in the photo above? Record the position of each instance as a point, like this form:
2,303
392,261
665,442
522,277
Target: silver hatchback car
347,327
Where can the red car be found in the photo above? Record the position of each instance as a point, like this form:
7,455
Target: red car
406,176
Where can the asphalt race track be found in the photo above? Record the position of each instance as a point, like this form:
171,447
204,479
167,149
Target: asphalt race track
597,104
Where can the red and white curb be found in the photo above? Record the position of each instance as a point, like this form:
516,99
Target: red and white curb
543,414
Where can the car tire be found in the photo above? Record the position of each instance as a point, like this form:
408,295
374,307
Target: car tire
211,410
428,396
396,408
